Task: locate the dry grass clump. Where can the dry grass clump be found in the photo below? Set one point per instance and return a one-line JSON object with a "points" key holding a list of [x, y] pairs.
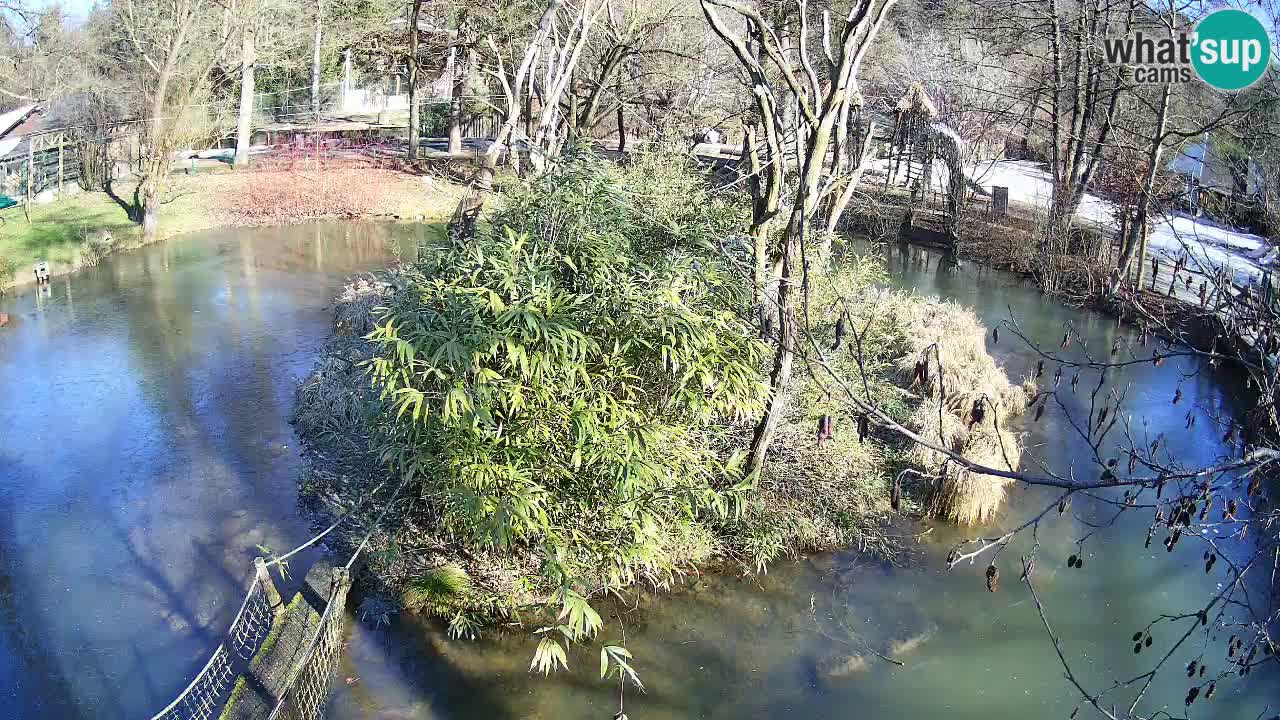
{"points": [[353, 313], [336, 403], [966, 398], [277, 197]]}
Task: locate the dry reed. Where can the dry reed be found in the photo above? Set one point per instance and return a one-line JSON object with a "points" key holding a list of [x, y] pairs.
{"points": [[966, 399]]}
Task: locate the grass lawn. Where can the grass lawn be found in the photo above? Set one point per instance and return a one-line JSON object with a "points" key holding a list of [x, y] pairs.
{"points": [[58, 230]]}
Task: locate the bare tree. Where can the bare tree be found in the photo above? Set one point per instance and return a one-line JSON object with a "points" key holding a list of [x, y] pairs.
{"points": [[820, 91], [248, 63], [513, 88], [170, 48], [41, 57]]}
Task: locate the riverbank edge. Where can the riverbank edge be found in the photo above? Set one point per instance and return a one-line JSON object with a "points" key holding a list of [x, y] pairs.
{"points": [[1164, 316], [438, 198], [354, 469]]}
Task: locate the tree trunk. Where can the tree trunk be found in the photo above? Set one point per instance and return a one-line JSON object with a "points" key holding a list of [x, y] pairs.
{"points": [[1140, 240], [414, 114], [1138, 228], [622, 121], [572, 119], [146, 196], [244, 126], [817, 141], [155, 165], [457, 104], [587, 118], [150, 218], [315, 62], [783, 361]]}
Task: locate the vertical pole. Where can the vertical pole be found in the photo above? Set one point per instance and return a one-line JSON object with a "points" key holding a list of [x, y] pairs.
{"points": [[451, 64], [31, 176], [315, 63], [268, 585], [341, 579], [1126, 269], [346, 77], [456, 88], [61, 145]]}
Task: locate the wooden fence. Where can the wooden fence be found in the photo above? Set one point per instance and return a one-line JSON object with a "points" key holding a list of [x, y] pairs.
{"points": [[49, 163], [62, 160]]}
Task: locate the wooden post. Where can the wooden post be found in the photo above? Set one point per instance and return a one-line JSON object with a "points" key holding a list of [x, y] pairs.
{"points": [[999, 201], [61, 145], [341, 579], [268, 585]]}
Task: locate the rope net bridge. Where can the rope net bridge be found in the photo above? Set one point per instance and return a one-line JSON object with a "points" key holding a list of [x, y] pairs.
{"points": [[306, 689]]}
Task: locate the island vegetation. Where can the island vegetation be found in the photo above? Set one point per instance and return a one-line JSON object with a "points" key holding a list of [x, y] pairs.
{"points": [[567, 400]]}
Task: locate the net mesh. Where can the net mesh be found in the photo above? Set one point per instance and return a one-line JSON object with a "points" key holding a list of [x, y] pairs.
{"points": [[203, 698], [307, 693]]}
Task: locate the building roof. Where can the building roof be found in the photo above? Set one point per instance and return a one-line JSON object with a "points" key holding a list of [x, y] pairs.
{"points": [[11, 120], [16, 127], [1213, 171]]}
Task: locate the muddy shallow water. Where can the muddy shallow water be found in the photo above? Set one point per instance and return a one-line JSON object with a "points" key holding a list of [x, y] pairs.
{"points": [[145, 453]]}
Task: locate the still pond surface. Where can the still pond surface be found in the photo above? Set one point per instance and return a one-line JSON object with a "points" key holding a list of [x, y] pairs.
{"points": [[146, 453]]}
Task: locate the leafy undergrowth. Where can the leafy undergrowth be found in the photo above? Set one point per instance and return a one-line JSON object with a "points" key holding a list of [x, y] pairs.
{"points": [[567, 399]]}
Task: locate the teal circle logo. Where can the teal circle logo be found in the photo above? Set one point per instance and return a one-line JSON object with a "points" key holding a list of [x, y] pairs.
{"points": [[1231, 49]]}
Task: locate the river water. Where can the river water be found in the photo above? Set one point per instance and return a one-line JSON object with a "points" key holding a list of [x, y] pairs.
{"points": [[145, 453]]}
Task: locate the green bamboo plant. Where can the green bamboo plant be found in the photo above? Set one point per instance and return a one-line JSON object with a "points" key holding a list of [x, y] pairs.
{"points": [[564, 383]]}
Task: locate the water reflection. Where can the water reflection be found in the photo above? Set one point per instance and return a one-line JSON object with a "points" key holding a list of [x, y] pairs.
{"points": [[145, 452], [786, 644]]}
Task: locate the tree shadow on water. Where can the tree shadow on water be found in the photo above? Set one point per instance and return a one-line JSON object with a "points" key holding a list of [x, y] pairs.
{"points": [[406, 677], [34, 672]]}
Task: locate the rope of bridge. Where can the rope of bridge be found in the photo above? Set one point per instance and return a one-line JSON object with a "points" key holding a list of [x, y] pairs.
{"points": [[307, 687]]}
